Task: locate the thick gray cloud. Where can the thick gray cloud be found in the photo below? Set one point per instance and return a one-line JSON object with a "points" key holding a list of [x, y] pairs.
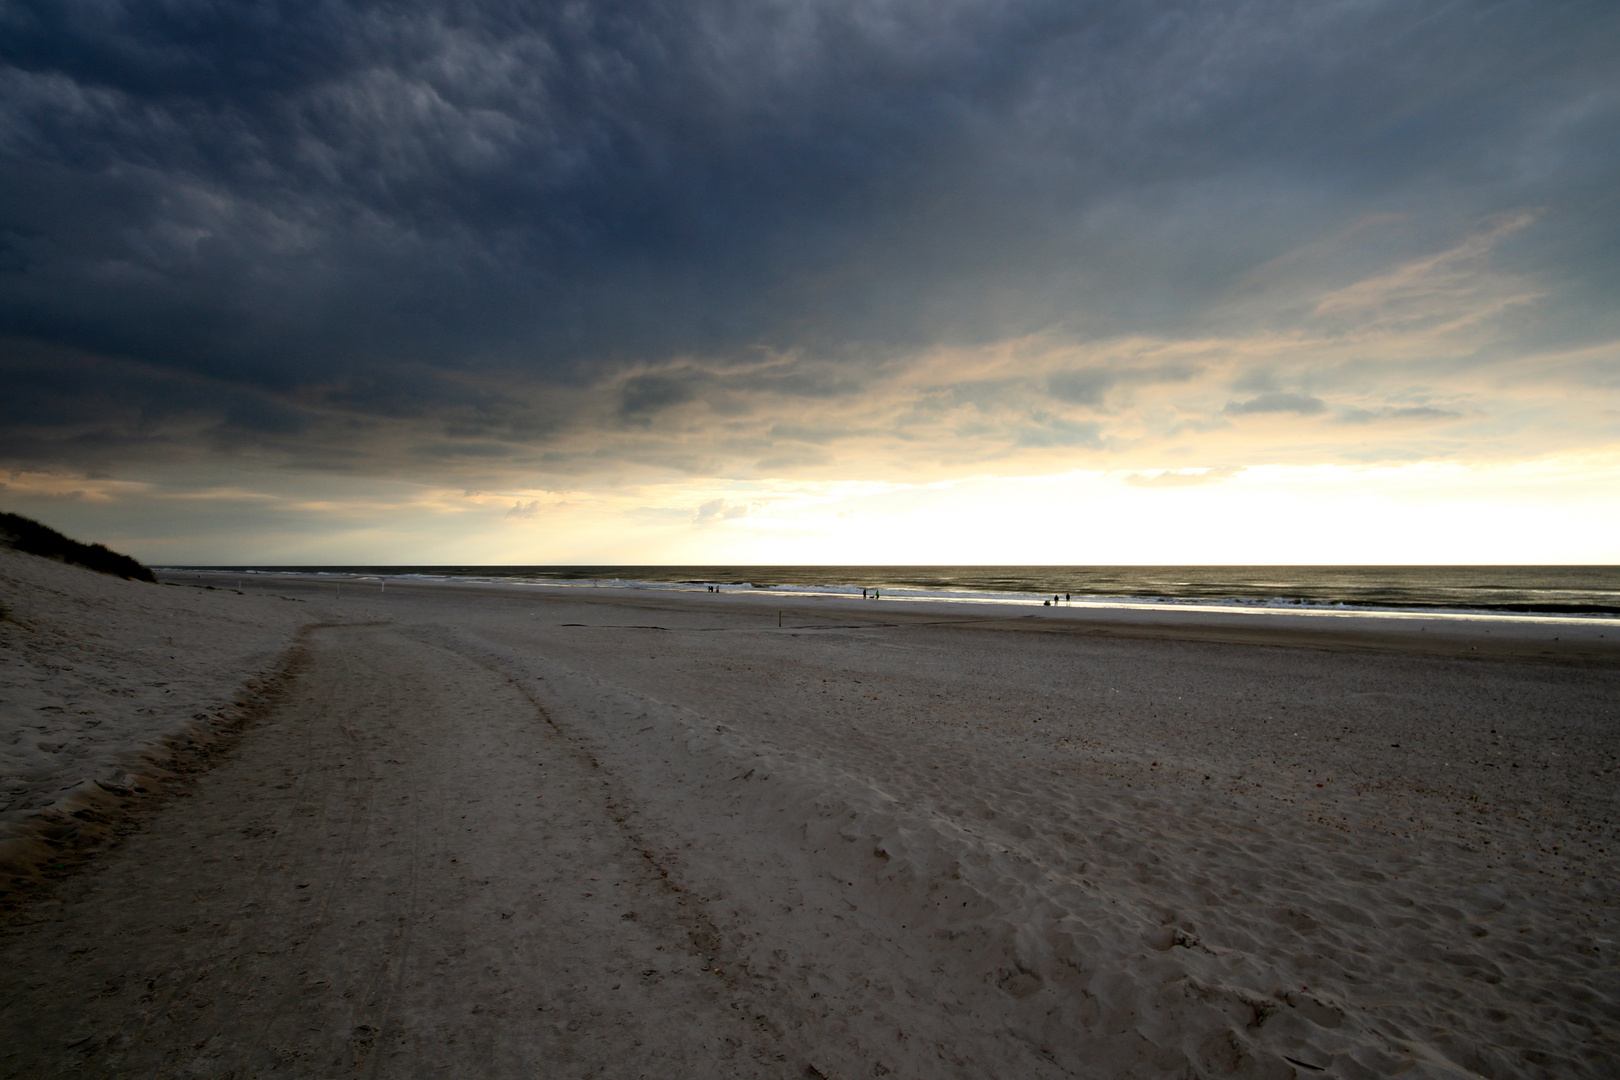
{"points": [[1410, 412], [1278, 402], [331, 230]]}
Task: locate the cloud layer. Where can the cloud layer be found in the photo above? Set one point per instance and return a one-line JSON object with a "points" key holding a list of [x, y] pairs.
{"points": [[548, 245]]}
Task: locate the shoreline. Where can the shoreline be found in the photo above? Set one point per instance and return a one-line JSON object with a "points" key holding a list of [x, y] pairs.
{"points": [[1485, 635], [1534, 591]]}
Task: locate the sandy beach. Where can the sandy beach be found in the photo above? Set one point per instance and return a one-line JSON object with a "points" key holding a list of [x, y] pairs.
{"points": [[481, 830]]}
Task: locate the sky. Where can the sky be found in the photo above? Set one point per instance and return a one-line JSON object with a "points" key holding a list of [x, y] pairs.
{"points": [[836, 281]]}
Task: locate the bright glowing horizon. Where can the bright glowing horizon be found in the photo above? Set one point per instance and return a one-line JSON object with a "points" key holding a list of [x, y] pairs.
{"points": [[1560, 512]]}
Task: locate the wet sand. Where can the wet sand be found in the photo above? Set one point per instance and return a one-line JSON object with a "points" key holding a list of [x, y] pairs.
{"points": [[504, 831]]}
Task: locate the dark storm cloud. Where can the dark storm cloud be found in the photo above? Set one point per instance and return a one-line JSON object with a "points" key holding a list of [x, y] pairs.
{"points": [[645, 395], [422, 212], [67, 407], [252, 413]]}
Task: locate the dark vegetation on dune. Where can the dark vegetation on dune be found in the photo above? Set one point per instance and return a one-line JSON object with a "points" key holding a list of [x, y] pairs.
{"points": [[28, 535]]}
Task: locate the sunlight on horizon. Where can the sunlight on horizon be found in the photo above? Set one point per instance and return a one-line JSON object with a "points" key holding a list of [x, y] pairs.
{"points": [[1554, 511]]}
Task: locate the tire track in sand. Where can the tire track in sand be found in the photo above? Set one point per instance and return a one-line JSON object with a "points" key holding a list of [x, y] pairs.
{"points": [[439, 885]]}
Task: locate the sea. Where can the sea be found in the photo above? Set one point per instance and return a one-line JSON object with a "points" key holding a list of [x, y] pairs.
{"points": [[1592, 591]]}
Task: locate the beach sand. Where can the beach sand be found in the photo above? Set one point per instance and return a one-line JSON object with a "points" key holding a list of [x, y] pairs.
{"points": [[505, 830], [108, 685]]}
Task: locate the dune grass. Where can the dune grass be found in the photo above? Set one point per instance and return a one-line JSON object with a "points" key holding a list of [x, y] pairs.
{"points": [[28, 535]]}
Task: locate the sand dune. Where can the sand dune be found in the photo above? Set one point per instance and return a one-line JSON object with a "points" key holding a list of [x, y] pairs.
{"points": [[507, 831], [103, 681]]}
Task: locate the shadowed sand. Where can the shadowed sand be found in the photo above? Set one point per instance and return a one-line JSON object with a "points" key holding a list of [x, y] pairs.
{"points": [[506, 831]]}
